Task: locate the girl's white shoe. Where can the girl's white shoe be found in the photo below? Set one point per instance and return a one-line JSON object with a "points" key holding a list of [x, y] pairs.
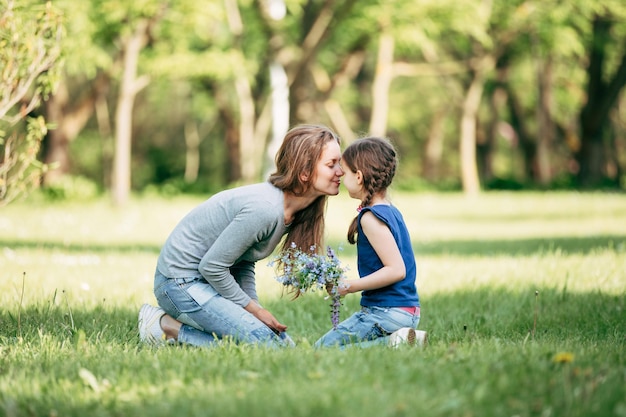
{"points": [[409, 336]]}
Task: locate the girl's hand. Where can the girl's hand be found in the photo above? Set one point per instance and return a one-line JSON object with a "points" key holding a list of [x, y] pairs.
{"points": [[329, 288], [344, 288]]}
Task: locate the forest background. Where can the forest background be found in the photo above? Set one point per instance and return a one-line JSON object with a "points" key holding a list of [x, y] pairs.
{"points": [[188, 96]]}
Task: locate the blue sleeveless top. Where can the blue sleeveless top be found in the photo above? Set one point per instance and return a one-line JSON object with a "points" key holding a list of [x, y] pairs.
{"points": [[402, 293]]}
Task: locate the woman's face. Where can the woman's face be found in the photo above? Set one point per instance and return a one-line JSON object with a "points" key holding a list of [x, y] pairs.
{"points": [[328, 172]]}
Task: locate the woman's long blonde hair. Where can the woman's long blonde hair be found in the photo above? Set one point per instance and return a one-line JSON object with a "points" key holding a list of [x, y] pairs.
{"points": [[299, 153]]}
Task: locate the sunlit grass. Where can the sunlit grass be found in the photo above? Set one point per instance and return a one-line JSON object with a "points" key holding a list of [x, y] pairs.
{"points": [[523, 296]]}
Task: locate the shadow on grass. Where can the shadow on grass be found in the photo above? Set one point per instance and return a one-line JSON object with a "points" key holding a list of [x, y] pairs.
{"points": [[547, 314], [483, 313], [494, 215], [573, 244], [476, 337], [80, 247], [513, 247], [64, 324]]}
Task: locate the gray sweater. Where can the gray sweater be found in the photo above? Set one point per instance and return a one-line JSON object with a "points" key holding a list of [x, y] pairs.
{"points": [[223, 237]]}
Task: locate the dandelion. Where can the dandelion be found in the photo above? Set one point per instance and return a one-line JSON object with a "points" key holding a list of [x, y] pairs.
{"points": [[563, 357], [304, 272]]}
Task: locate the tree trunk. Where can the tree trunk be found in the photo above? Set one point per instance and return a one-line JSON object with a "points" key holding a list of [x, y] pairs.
{"points": [[231, 133], [601, 97], [471, 103], [485, 143], [56, 144], [617, 148], [192, 152], [381, 84], [325, 85], [249, 151], [433, 152], [299, 81], [104, 129], [318, 23], [130, 86], [68, 122], [280, 113], [545, 128]]}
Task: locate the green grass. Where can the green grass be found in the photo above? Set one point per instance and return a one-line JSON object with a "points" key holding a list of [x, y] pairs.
{"points": [[523, 296]]}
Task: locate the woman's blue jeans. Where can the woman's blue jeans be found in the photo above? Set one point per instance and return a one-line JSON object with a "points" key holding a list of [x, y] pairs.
{"points": [[368, 327], [208, 318]]}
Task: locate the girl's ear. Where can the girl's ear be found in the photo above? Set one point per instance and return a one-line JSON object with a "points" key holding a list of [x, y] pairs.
{"points": [[304, 177], [359, 177]]}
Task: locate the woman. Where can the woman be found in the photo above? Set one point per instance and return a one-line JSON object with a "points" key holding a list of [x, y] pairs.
{"points": [[205, 280]]}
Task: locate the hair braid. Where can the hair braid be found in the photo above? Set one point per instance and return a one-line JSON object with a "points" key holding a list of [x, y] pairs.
{"points": [[376, 159]]}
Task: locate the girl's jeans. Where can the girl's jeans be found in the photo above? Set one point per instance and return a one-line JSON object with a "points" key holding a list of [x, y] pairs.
{"points": [[208, 318], [370, 326]]}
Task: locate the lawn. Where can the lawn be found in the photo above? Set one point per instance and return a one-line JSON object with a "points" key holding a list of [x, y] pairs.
{"points": [[523, 297]]}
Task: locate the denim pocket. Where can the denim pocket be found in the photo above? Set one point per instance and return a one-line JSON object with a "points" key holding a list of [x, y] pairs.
{"points": [[201, 292], [182, 295], [390, 319]]}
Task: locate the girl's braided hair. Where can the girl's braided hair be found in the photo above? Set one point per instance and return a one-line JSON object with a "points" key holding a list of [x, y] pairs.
{"points": [[377, 160]]}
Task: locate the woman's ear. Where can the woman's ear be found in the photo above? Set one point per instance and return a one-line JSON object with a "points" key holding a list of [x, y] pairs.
{"points": [[304, 177]]}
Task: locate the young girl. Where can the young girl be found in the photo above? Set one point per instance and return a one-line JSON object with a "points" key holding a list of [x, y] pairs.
{"points": [[390, 308], [205, 278]]}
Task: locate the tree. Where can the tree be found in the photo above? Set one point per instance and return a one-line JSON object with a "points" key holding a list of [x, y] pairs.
{"points": [[108, 54], [434, 75], [83, 85], [30, 36], [603, 89], [249, 44]]}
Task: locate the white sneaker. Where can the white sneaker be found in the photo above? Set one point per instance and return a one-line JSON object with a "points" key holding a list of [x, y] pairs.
{"points": [[409, 336], [150, 330]]}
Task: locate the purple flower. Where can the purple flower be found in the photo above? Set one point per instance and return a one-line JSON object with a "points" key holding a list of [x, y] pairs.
{"points": [[305, 272]]}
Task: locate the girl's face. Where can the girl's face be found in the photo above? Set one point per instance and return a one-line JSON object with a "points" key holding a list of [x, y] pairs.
{"points": [[352, 181], [328, 171]]}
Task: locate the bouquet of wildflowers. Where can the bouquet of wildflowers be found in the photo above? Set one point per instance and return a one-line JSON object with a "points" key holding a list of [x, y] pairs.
{"points": [[311, 271]]}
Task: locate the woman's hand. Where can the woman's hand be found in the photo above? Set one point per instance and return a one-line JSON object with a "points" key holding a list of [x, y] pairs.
{"points": [[265, 316], [270, 321]]}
